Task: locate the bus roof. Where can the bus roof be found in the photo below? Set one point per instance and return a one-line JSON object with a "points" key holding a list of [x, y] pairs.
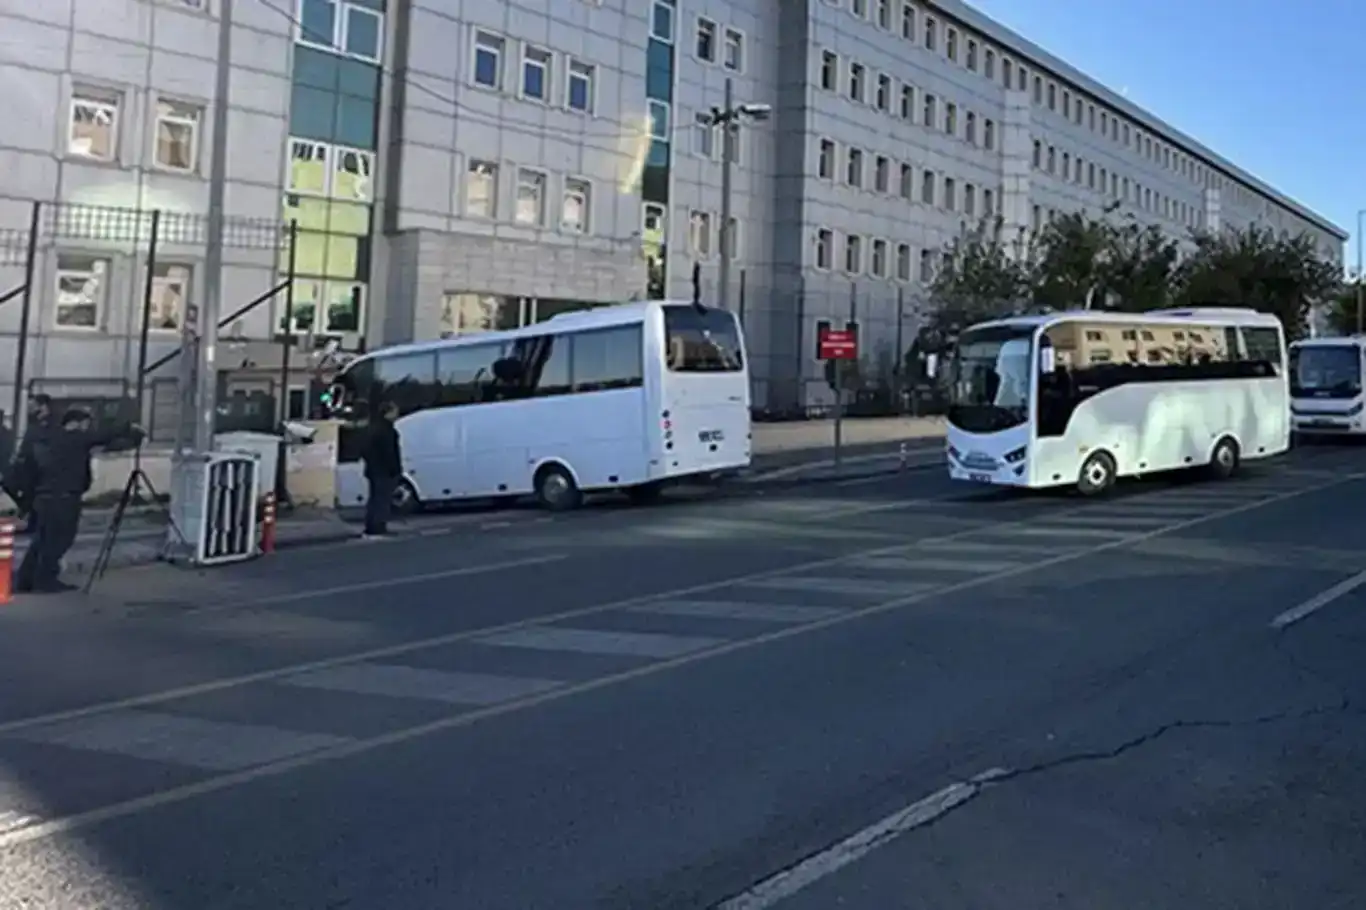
{"points": [[1229, 316], [599, 317], [1335, 341]]}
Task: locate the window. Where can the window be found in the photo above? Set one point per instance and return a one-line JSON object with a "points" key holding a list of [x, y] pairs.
{"points": [[1052, 97], [706, 40], [882, 174], [662, 22], [951, 44], [699, 234], [351, 29], [927, 180], [1066, 166], [660, 126], [883, 99], [826, 163], [989, 134], [931, 30], [1067, 104], [481, 189], [93, 130], [536, 67], [853, 168], [907, 21], [879, 263], [989, 63], [81, 290], [1005, 71], [530, 198], [970, 128], [825, 249], [1038, 90], [903, 262], [907, 102], [1264, 345], [926, 266], [576, 209], [488, 60], [969, 199], [853, 254], [830, 71], [907, 185], [859, 8], [972, 55], [856, 74], [931, 111], [950, 193], [735, 51], [697, 341], [704, 134], [1038, 154], [170, 290], [579, 88], [351, 175], [1021, 78], [177, 135], [1052, 160], [988, 203], [309, 170], [884, 14], [951, 119]]}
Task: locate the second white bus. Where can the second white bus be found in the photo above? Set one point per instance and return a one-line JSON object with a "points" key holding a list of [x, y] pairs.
{"points": [[1326, 387], [629, 397], [1084, 398]]}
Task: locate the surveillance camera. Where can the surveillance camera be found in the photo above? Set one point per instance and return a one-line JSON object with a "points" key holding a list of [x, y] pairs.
{"points": [[757, 111]]}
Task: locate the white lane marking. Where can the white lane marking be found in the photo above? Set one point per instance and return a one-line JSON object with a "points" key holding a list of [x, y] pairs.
{"points": [[1319, 601], [600, 641], [850, 587], [168, 738], [729, 609], [792, 470], [778, 888], [420, 684], [377, 584], [174, 795], [931, 564], [1056, 528], [1113, 521]]}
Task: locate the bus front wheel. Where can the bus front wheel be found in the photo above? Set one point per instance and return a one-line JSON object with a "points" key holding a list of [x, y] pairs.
{"points": [[1097, 474], [1223, 461], [556, 489]]}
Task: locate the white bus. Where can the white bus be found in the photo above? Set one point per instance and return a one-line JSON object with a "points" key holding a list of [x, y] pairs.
{"points": [[1325, 387], [628, 397], [1086, 397]]}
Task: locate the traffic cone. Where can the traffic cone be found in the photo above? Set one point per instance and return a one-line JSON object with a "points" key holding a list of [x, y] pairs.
{"points": [[268, 524], [6, 561]]}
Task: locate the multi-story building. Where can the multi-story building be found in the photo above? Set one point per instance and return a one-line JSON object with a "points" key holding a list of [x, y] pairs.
{"points": [[456, 167]]}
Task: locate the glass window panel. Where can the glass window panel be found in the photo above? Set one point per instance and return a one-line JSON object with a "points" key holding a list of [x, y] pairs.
{"points": [[355, 122], [311, 113], [307, 293], [311, 256], [344, 305], [353, 175], [308, 166], [318, 21], [362, 33], [342, 257], [317, 69], [311, 213], [348, 218], [356, 78]]}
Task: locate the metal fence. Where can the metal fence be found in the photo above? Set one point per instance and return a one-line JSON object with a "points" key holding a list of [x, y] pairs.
{"points": [[102, 304]]}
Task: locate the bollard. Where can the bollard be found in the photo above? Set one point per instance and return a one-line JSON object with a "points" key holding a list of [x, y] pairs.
{"points": [[268, 524], [902, 458], [6, 561]]}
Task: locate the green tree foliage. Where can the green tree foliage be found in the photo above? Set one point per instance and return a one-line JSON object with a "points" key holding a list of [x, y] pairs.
{"points": [[1140, 268], [1070, 261], [1257, 268], [1342, 308], [982, 276]]}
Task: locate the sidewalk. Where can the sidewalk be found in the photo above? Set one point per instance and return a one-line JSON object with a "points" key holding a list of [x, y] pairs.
{"points": [[788, 452]]}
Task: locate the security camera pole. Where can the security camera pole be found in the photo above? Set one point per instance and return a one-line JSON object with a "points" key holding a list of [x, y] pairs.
{"points": [[728, 117]]}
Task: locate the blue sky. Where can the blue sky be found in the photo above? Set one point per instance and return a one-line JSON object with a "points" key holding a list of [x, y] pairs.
{"points": [[1277, 88]]}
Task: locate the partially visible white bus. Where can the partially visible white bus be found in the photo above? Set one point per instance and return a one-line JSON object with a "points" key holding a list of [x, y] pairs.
{"points": [[1326, 387], [628, 397], [1086, 397]]}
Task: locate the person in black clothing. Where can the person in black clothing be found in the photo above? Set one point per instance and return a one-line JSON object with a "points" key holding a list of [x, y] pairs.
{"points": [[23, 472], [383, 468], [63, 477]]}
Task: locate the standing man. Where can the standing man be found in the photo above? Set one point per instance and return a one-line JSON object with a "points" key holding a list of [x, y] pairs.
{"points": [[23, 473], [63, 477], [383, 469]]}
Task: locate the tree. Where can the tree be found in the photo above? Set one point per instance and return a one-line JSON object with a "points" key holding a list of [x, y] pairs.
{"points": [[1140, 266], [1070, 261], [1256, 268], [981, 277], [1341, 309]]}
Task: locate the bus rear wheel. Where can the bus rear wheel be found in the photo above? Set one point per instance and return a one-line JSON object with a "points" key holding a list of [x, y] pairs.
{"points": [[1097, 474], [404, 500], [1223, 461], [556, 489]]}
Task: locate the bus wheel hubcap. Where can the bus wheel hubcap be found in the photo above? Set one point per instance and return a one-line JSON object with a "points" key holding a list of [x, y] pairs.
{"points": [[1226, 456], [1097, 474], [556, 487]]}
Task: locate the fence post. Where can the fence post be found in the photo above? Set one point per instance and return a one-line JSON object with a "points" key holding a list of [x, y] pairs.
{"points": [[899, 364], [289, 321], [25, 317], [148, 289]]}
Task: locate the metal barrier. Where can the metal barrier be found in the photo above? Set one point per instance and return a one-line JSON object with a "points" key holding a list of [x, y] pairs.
{"points": [[214, 497]]}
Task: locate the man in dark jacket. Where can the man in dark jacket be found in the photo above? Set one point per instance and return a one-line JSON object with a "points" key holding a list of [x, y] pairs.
{"points": [[63, 477], [383, 469], [23, 472]]}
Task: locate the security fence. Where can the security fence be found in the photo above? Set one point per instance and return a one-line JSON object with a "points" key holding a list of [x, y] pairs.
{"points": [[101, 305]]}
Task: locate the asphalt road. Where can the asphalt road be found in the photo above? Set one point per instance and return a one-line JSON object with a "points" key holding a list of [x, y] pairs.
{"points": [[878, 693]]}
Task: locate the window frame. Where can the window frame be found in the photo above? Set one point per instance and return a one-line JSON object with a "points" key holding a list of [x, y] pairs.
{"points": [[700, 234], [705, 23], [652, 104], [98, 101], [341, 29], [494, 176], [824, 143], [546, 64], [195, 123], [488, 42], [100, 301], [581, 187], [543, 184], [159, 283], [576, 70], [731, 32], [853, 253], [824, 242]]}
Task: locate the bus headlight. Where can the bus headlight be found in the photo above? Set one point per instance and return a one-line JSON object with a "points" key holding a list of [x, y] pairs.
{"points": [[1355, 409], [1017, 456]]}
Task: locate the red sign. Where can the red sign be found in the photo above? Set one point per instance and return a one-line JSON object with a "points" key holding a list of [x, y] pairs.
{"points": [[838, 344]]}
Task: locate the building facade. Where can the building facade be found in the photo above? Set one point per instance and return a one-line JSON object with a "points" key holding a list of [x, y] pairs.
{"points": [[454, 167]]}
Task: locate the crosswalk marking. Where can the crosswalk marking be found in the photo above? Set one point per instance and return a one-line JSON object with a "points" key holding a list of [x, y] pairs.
{"points": [[1058, 528], [172, 739], [421, 684], [936, 564], [856, 587], [738, 610], [1137, 522], [600, 641], [998, 547]]}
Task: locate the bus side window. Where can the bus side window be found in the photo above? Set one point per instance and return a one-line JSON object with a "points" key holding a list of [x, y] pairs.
{"points": [[408, 380]]}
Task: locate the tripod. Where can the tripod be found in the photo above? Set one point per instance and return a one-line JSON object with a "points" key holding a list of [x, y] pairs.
{"points": [[137, 480]]}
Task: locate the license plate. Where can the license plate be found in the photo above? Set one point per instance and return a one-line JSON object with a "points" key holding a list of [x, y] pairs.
{"points": [[1321, 423], [980, 478]]}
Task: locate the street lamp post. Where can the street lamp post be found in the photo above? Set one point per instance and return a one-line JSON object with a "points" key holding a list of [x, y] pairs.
{"points": [[1361, 315], [728, 118]]}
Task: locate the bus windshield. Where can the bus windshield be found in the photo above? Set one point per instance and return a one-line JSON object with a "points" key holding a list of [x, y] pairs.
{"points": [[1325, 371], [702, 340], [992, 374]]}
